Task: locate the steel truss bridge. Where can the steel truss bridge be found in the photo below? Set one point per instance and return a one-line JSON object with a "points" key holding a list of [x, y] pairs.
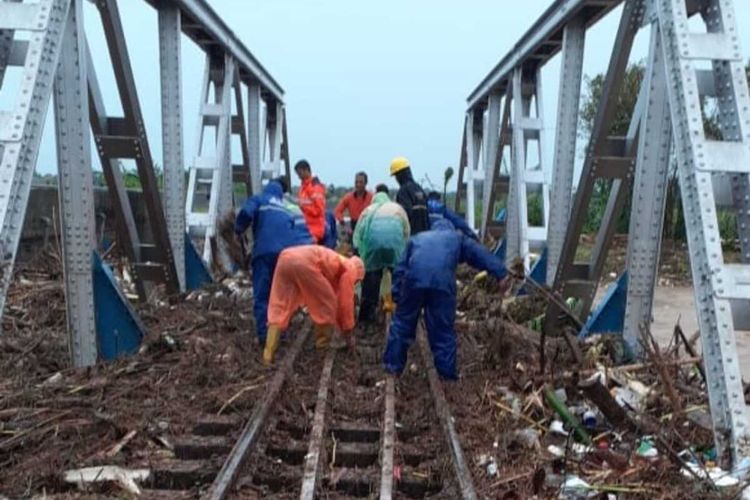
{"points": [[684, 66], [241, 101]]}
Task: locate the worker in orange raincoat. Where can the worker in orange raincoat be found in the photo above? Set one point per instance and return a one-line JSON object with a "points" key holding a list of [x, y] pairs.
{"points": [[316, 277], [312, 200]]}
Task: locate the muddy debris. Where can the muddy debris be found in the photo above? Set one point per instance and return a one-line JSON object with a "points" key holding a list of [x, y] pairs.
{"points": [[583, 427], [200, 357], [551, 435]]}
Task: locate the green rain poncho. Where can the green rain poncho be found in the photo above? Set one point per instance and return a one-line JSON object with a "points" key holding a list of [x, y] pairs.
{"points": [[381, 233]]}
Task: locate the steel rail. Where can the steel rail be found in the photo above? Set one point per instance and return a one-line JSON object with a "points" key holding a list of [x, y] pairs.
{"points": [[463, 475], [389, 439], [312, 459], [255, 425]]}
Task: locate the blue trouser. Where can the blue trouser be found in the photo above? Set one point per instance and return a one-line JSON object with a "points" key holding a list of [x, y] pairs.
{"points": [[440, 315], [263, 268]]}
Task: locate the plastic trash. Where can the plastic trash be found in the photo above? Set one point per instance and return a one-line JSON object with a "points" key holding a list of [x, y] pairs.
{"points": [[55, 379], [717, 475], [510, 399], [528, 438], [575, 487], [742, 469], [646, 449], [589, 419], [627, 398], [556, 427], [561, 394], [565, 414], [556, 451], [492, 467], [577, 449], [710, 454]]}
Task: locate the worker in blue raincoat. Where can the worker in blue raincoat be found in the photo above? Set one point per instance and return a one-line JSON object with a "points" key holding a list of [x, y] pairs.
{"points": [[331, 235], [437, 210], [276, 226], [425, 278]]}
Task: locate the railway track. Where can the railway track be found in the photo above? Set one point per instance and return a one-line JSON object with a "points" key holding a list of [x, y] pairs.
{"points": [[330, 424]]}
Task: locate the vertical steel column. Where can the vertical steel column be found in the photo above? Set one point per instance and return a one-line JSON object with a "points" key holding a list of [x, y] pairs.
{"points": [[537, 235], [221, 185], [285, 149], [571, 72], [716, 283], [275, 125], [226, 202], [194, 177], [608, 158], [21, 127], [461, 168], [255, 137], [522, 236], [526, 90], [76, 189], [171, 118], [474, 141], [491, 152], [214, 173], [517, 209], [649, 196]]}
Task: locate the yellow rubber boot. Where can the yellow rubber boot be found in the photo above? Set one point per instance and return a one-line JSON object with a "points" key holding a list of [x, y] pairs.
{"points": [[388, 305], [272, 343], [322, 335]]}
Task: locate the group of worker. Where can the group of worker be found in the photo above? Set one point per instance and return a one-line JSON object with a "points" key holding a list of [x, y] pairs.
{"points": [[405, 253]]}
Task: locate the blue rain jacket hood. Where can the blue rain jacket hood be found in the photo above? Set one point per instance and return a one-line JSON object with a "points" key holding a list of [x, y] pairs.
{"points": [[275, 225], [431, 258], [437, 210]]}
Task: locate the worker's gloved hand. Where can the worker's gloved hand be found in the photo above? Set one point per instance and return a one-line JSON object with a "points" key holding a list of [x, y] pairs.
{"points": [[505, 285], [480, 276]]}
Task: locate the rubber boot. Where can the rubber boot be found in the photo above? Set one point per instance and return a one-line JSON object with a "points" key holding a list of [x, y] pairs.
{"points": [[272, 344], [388, 305], [322, 335]]}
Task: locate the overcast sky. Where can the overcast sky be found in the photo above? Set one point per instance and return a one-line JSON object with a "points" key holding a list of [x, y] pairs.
{"points": [[364, 81]]}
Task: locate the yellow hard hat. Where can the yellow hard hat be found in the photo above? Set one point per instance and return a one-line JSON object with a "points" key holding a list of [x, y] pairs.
{"points": [[398, 164]]}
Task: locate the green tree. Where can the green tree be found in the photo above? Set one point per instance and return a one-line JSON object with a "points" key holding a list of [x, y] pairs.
{"points": [[625, 101], [674, 220], [624, 112]]}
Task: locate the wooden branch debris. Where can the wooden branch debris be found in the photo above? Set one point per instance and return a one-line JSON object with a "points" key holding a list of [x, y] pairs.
{"points": [[654, 353]]}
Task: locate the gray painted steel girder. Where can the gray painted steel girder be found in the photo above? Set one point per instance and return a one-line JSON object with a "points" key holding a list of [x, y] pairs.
{"points": [[76, 189], [542, 41], [715, 282], [199, 16]]}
